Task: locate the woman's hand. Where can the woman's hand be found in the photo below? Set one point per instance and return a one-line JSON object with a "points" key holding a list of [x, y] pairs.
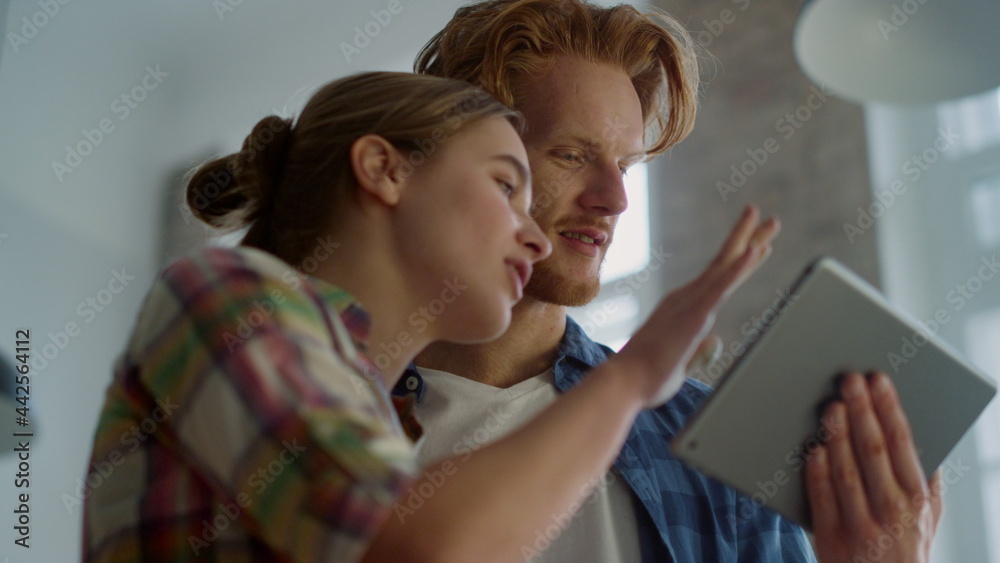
{"points": [[665, 344], [868, 496]]}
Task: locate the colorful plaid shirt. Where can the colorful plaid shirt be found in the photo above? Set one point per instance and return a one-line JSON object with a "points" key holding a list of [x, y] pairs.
{"points": [[245, 422]]}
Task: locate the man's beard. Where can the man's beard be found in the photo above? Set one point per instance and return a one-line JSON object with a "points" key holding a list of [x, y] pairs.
{"points": [[549, 286]]}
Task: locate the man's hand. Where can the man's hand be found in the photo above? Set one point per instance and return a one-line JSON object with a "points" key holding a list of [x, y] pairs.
{"points": [[868, 495], [662, 348]]}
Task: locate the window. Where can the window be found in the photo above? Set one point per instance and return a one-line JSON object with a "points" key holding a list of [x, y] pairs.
{"points": [[985, 200], [611, 318], [936, 235]]}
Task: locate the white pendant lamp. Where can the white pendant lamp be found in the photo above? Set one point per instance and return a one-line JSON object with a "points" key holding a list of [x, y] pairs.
{"points": [[901, 51]]}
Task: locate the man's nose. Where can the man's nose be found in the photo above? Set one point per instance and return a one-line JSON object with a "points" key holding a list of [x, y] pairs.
{"points": [[605, 192]]}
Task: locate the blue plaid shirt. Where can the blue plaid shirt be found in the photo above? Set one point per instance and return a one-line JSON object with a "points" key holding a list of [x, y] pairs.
{"points": [[689, 517]]}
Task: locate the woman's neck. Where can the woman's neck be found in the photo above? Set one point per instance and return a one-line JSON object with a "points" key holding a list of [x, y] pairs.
{"points": [[365, 265]]}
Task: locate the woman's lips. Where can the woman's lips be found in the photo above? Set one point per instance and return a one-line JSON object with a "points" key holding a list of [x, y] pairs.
{"points": [[516, 281], [520, 271]]}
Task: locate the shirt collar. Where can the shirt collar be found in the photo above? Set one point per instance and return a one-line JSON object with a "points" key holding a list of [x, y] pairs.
{"points": [[576, 354], [358, 324], [354, 316]]}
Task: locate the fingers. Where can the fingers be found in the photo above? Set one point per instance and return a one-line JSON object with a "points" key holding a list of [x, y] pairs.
{"points": [[822, 496], [859, 482], [878, 466], [847, 480], [741, 234], [937, 503], [747, 245], [897, 435], [766, 232]]}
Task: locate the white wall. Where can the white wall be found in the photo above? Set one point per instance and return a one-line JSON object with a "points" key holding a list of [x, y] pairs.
{"points": [[60, 241]]}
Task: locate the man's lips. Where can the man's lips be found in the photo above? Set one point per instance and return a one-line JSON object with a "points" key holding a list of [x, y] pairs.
{"points": [[599, 237], [585, 240]]}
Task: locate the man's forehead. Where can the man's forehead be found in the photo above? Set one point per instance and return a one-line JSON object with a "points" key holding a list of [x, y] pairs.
{"points": [[588, 103]]}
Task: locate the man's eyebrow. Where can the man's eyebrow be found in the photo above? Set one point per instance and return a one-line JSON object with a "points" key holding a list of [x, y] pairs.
{"points": [[522, 172]]}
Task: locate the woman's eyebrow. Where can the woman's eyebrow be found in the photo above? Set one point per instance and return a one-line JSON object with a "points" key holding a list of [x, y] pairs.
{"points": [[522, 172]]}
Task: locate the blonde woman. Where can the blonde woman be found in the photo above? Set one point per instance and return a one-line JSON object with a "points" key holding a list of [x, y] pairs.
{"points": [[249, 417]]}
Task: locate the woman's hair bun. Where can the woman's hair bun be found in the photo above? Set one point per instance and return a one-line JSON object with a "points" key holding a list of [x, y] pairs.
{"points": [[228, 192]]}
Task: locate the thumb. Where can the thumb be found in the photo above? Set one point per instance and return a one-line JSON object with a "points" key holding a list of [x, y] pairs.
{"points": [[707, 353]]}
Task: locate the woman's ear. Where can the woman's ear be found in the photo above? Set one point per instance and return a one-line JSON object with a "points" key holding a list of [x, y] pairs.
{"points": [[379, 168]]}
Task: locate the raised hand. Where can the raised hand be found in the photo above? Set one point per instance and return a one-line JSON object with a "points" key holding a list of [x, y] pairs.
{"points": [[662, 348], [868, 496]]}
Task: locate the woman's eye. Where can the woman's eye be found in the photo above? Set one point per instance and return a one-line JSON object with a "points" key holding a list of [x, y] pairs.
{"points": [[507, 188], [624, 170]]}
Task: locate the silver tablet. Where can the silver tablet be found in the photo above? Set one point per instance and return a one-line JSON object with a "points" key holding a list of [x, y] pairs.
{"points": [[758, 427]]}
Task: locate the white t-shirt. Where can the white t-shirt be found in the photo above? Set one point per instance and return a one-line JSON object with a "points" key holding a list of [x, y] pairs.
{"points": [[460, 415]]}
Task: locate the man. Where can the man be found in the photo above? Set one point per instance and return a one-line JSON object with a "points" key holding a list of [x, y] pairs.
{"points": [[592, 83]]}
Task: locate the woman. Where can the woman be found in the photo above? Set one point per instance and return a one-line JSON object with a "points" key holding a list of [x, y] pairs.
{"points": [[249, 419]]}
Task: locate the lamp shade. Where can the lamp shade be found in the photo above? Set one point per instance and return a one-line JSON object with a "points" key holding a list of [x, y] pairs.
{"points": [[901, 51]]}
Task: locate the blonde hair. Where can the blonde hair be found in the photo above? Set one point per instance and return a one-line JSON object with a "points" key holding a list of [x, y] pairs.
{"points": [[499, 44], [290, 182]]}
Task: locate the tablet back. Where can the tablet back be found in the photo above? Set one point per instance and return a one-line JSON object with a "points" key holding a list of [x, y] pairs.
{"points": [[755, 431]]}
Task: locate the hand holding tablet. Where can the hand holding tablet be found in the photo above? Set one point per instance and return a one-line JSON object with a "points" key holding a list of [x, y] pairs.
{"points": [[868, 495], [760, 427]]}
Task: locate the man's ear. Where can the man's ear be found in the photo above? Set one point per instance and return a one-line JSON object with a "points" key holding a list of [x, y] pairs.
{"points": [[378, 168]]}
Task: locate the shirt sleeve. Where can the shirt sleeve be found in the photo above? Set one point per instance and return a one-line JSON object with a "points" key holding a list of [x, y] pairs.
{"points": [[266, 409]]}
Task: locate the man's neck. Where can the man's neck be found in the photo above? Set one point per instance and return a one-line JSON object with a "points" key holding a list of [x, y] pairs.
{"points": [[527, 349]]}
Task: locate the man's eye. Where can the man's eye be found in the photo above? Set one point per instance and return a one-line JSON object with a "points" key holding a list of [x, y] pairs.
{"points": [[624, 170], [573, 157]]}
